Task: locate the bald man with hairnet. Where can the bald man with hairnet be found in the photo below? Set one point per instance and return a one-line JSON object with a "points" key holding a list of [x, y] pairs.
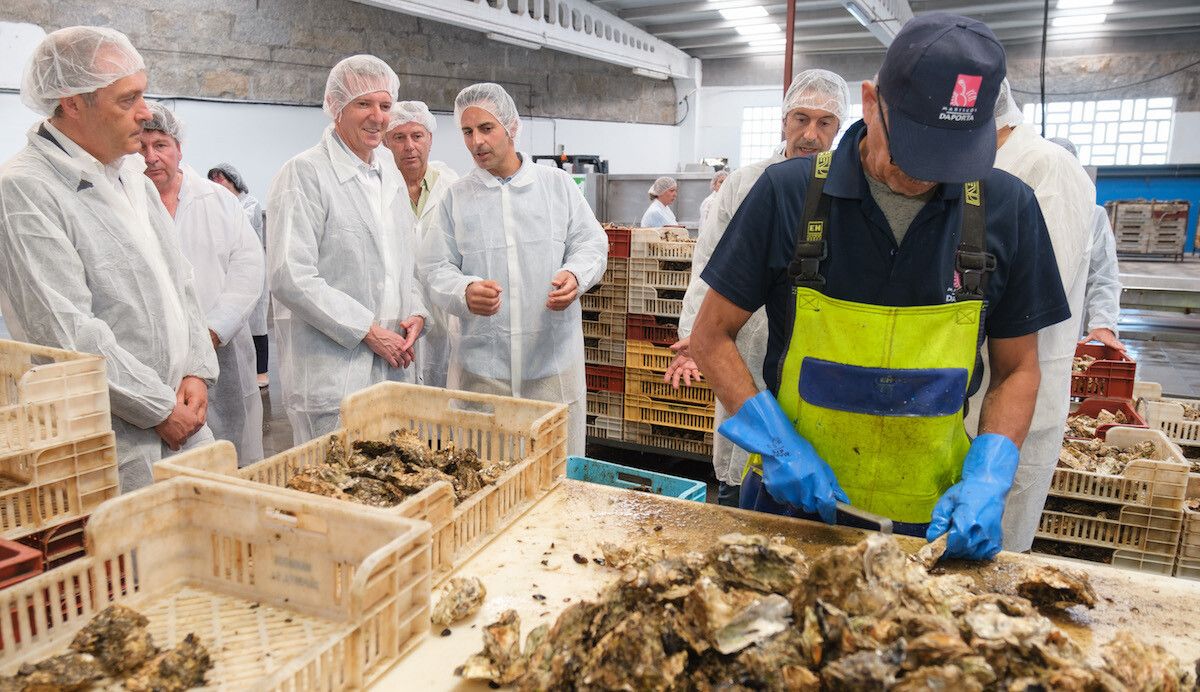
{"points": [[89, 258], [814, 107], [410, 138], [508, 250], [347, 309]]}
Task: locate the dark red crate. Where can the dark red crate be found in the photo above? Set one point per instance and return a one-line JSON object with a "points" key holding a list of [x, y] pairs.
{"points": [[605, 378], [18, 562], [59, 544], [619, 241], [657, 330], [1092, 407], [1110, 377]]}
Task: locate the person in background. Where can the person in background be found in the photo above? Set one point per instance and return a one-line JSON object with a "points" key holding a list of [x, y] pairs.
{"points": [[816, 103], [227, 176], [714, 185], [1066, 198], [410, 137], [347, 311], [875, 263], [507, 251], [89, 257], [216, 238], [662, 195], [1102, 296]]}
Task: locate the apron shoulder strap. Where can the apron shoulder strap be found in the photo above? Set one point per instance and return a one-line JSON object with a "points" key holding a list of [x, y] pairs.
{"points": [[972, 261], [804, 269]]}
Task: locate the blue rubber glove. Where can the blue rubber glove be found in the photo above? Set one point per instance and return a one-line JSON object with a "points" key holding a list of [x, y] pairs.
{"points": [[793, 472], [972, 508]]}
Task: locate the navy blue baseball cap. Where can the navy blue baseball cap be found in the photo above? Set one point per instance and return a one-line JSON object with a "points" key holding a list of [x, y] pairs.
{"points": [[939, 81]]}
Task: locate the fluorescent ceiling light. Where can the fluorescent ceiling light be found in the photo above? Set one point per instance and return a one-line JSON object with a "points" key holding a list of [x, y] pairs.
{"points": [[1082, 4], [513, 41], [643, 72], [758, 29], [858, 13], [1078, 20], [736, 13]]}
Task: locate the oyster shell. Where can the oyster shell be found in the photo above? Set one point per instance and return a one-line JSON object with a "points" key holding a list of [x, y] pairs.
{"points": [[1058, 588], [70, 671], [118, 638], [461, 600], [174, 670]]}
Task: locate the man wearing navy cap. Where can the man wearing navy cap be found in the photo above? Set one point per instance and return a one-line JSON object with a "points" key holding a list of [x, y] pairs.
{"points": [[883, 266]]}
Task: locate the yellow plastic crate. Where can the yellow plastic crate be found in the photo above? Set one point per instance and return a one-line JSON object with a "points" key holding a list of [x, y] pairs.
{"points": [[530, 435], [640, 409], [650, 384], [49, 396], [644, 355], [287, 592]]}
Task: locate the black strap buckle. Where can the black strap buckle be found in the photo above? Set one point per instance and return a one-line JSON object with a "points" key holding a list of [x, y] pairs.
{"points": [[805, 267], [973, 269]]}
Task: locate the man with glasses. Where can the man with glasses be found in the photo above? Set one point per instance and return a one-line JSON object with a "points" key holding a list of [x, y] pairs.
{"points": [[882, 266]]}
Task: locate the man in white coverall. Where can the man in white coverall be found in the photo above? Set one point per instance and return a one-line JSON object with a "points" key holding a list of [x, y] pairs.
{"points": [[228, 263], [1066, 197], [816, 103], [410, 137], [347, 311], [89, 259], [508, 251]]}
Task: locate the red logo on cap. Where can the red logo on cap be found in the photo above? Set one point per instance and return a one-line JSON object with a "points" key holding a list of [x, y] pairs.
{"points": [[966, 89]]}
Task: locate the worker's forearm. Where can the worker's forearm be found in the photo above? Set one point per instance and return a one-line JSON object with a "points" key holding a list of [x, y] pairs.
{"points": [[1008, 406], [723, 367]]}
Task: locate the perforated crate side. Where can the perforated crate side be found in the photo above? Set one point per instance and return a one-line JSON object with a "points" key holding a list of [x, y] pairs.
{"points": [[1168, 416], [49, 396], [57, 484], [643, 355], [651, 385]]}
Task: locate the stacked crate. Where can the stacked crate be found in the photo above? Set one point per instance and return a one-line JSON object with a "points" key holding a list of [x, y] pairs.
{"points": [[656, 413], [604, 308], [1149, 227]]}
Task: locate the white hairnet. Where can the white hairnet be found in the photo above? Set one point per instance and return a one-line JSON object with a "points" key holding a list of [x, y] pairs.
{"points": [[231, 174], [717, 178], [493, 99], [355, 76], [404, 112], [164, 121], [76, 60], [818, 89], [662, 185], [1066, 144], [1007, 112]]}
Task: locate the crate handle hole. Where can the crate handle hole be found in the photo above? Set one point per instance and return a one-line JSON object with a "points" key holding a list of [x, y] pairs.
{"points": [[283, 516], [640, 481]]}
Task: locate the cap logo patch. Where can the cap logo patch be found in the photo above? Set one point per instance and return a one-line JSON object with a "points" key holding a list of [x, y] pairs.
{"points": [[966, 89], [962, 99]]}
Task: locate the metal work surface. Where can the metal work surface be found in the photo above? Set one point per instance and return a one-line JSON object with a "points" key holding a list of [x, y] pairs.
{"points": [[574, 517]]}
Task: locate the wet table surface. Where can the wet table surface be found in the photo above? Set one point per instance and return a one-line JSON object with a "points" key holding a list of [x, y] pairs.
{"points": [[574, 517]]}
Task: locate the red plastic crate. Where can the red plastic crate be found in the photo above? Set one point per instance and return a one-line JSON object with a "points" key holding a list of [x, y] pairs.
{"points": [[1092, 407], [605, 378], [619, 241], [659, 331], [18, 562], [59, 544], [1110, 377]]}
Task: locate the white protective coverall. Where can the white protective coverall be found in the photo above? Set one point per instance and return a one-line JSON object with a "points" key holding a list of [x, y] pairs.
{"points": [[337, 262], [728, 458], [89, 261], [1066, 197], [433, 356], [254, 212], [1102, 300], [228, 263], [520, 234], [658, 215]]}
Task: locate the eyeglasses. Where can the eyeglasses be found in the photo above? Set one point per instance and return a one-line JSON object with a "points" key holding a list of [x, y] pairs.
{"points": [[883, 124]]}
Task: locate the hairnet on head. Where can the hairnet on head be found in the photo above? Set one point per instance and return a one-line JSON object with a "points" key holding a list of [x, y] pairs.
{"points": [[493, 99], [164, 121], [76, 60], [1066, 144], [404, 112], [717, 178], [230, 174], [1007, 112], [662, 185], [355, 76], [818, 89]]}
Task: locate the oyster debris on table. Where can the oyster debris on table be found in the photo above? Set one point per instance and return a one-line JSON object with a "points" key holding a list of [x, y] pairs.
{"points": [[752, 613], [461, 599], [385, 473]]}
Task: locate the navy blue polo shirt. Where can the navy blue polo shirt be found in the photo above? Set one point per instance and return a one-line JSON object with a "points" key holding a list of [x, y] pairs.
{"points": [[864, 263]]}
